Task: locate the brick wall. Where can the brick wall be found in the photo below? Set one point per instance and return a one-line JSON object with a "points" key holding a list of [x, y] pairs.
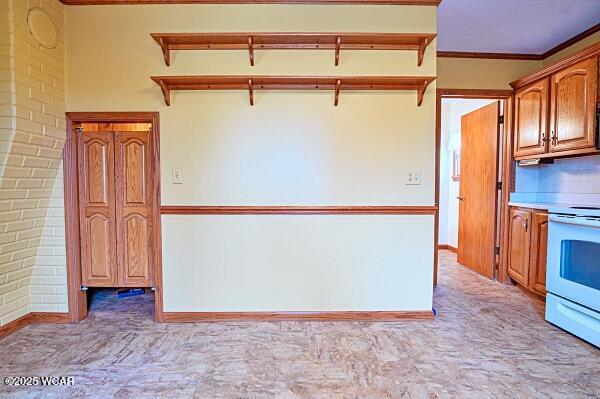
{"points": [[33, 134]]}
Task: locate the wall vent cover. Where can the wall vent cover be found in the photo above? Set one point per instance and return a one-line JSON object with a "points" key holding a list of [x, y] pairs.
{"points": [[42, 28]]}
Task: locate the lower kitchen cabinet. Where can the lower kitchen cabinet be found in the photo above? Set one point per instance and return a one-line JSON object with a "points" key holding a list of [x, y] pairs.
{"points": [[528, 241], [537, 253]]}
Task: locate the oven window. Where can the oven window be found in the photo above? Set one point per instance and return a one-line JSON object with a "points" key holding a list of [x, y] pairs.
{"points": [[580, 262]]}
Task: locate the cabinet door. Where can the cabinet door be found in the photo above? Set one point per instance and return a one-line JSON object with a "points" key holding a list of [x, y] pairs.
{"points": [[531, 119], [518, 247], [97, 209], [134, 205], [573, 107], [539, 246]]}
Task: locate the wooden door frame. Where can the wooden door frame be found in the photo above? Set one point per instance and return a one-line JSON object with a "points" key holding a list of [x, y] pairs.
{"points": [[507, 172], [77, 298]]}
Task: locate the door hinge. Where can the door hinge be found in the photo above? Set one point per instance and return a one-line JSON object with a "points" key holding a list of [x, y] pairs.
{"points": [[499, 185], [497, 250], [501, 119]]}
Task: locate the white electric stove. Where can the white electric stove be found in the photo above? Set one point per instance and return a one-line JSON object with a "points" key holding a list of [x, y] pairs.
{"points": [[573, 271]]}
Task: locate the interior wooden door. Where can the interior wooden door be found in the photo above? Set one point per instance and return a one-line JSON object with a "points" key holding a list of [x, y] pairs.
{"points": [[573, 107], [97, 209], [478, 178], [134, 209], [531, 119], [539, 247], [518, 246]]}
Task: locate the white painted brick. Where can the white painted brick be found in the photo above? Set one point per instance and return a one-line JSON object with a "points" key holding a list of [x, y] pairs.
{"points": [[17, 172], [20, 225], [24, 204], [16, 294], [30, 183], [9, 216], [54, 280], [13, 247], [12, 194], [24, 253], [32, 85], [9, 237], [10, 316], [44, 271], [50, 298], [43, 307], [42, 289]]}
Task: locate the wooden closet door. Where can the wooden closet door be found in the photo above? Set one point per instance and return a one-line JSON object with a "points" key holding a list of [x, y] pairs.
{"points": [[573, 107], [531, 119], [97, 209], [134, 209]]}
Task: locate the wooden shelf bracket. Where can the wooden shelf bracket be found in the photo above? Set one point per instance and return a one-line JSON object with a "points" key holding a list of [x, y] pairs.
{"points": [[338, 43], [165, 50], [251, 91], [251, 50], [293, 41], [421, 51], [421, 92], [166, 92], [261, 82], [338, 84]]}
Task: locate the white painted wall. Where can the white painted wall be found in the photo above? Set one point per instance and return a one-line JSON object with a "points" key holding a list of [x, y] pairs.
{"points": [[291, 148], [452, 111], [297, 263]]}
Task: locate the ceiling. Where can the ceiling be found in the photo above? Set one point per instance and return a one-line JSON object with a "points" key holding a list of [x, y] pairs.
{"points": [[512, 26]]}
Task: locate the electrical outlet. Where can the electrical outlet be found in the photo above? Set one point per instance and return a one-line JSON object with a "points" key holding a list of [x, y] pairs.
{"points": [[177, 176], [413, 178]]}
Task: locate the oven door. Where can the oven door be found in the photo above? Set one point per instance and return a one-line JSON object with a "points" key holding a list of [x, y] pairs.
{"points": [[573, 270]]}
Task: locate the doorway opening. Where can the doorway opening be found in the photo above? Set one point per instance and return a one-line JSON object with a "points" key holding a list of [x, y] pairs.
{"points": [[112, 209], [472, 128]]}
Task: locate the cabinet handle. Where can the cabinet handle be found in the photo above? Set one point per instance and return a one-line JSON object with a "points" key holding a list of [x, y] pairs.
{"points": [[554, 139], [526, 225], [460, 198], [543, 138]]}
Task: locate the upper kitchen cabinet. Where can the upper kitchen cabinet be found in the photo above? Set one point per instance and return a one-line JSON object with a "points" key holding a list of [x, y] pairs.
{"points": [[531, 119], [573, 107], [555, 109]]}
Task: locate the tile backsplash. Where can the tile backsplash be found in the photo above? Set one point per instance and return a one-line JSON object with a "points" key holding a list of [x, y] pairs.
{"points": [[569, 181]]}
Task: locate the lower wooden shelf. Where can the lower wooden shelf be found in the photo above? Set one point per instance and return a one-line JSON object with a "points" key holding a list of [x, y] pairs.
{"points": [[252, 83]]}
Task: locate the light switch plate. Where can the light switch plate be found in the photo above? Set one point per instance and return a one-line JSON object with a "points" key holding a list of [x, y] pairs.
{"points": [[413, 178], [177, 176]]}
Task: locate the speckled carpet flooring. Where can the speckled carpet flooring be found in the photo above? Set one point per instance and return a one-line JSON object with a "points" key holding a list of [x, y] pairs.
{"points": [[488, 340]]}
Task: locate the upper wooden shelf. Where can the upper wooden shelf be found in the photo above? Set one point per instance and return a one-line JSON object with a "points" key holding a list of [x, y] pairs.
{"points": [[281, 40], [251, 83]]}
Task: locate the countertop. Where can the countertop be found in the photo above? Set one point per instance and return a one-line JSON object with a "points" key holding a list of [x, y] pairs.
{"points": [[542, 205]]}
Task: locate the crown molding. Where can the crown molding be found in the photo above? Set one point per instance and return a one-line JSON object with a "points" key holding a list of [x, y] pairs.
{"points": [[488, 56], [571, 41], [587, 52], [518, 56], [125, 2]]}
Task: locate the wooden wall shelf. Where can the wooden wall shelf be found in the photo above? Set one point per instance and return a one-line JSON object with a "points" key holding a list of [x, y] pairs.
{"points": [[299, 41], [252, 83]]}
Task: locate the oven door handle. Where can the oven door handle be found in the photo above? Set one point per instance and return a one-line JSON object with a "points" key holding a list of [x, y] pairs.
{"points": [[579, 221]]}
